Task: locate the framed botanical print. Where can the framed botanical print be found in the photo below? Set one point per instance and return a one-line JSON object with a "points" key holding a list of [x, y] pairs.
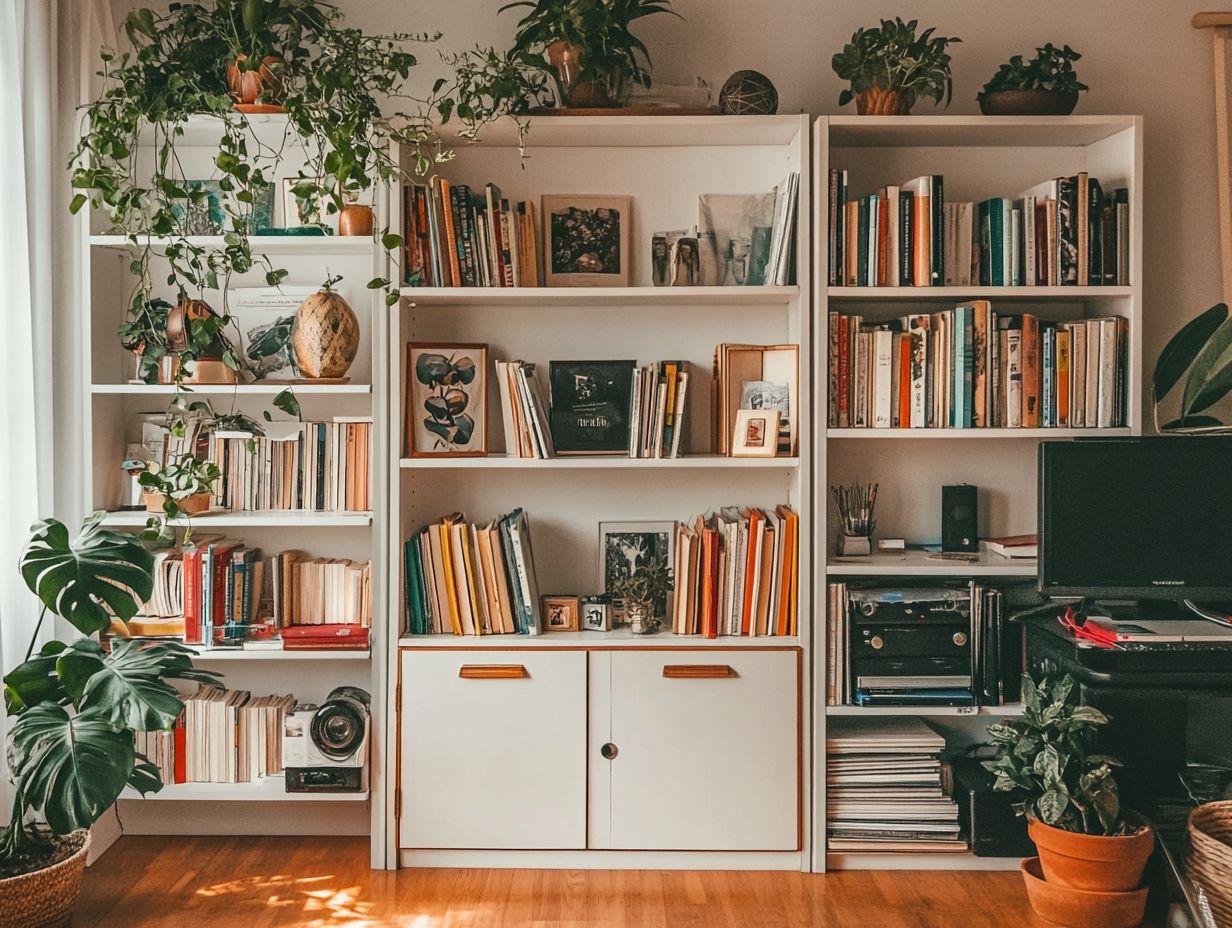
{"points": [[586, 240], [627, 548], [446, 400]]}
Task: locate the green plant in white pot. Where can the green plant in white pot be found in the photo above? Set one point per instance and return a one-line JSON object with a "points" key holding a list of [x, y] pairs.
{"points": [[73, 708]]}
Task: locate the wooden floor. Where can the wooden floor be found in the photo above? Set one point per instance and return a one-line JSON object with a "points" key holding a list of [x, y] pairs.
{"points": [[146, 882]]}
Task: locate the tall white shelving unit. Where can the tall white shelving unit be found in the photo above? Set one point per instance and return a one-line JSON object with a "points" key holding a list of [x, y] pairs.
{"points": [[110, 407], [510, 772], [979, 157]]}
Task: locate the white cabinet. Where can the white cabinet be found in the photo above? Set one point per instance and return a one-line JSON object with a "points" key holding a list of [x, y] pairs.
{"points": [[493, 749], [706, 750]]}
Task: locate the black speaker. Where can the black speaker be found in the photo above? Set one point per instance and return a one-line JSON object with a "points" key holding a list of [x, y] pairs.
{"points": [[959, 519]]}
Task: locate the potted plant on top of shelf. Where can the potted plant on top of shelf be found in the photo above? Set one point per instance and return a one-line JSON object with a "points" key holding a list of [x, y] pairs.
{"points": [[1044, 86], [890, 67], [73, 709], [1092, 853], [588, 45], [1199, 349]]}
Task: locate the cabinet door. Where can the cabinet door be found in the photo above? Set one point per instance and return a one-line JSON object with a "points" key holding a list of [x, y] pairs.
{"points": [[493, 749], [706, 750]]}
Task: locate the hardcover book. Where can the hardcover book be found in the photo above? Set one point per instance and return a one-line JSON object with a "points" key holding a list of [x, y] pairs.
{"points": [[591, 405]]}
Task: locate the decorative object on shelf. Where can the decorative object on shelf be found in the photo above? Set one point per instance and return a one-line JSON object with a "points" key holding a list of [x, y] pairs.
{"points": [[627, 549], [641, 592], [756, 433], [591, 403], [325, 336], [144, 333], [1199, 349], [587, 46], [734, 231], [325, 748], [71, 733], [675, 260], [750, 376], [762, 395], [303, 205], [748, 93], [890, 67], [1044, 86], [134, 495], [209, 209], [856, 523], [597, 613], [265, 318], [181, 488], [560, 613], [356, 219], [1092, 852], [960, 518], [200, 352], [447, 400], [586, 240]]}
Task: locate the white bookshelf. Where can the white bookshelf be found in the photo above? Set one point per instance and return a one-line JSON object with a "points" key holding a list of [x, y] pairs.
{"points": [[110, 402], [979, 157]]}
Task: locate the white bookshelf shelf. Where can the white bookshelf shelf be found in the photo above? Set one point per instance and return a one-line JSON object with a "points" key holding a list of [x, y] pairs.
{"points": [[665, 131], [977, 434], [584, 299], [920, 564], [620, 638], [294, 519], [926, 711], [222, 389], [226, 655], [952, 294], [688, 462], [261, 244], [974, 131], [270, 789]]}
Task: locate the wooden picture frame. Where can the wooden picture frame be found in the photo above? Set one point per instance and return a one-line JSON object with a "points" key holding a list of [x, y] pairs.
{"points": [[586, 240], [756, 433], [560, 613], [446, 413]]}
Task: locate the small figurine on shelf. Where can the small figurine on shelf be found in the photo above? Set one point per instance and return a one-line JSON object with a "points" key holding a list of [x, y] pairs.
{"points": [[855, 514]]}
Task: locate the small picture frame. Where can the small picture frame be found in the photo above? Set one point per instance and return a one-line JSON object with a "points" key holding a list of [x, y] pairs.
{"points": [[560, 613], [597, 613], [446, 400], [756, 434], [586, 240], [300, 211]]}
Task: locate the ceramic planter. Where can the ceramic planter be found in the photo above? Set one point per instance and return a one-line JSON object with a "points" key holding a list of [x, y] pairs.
{"points": [[1096, 863], [191, 505], [356, 219], [878, 102], [247, 86], [576, 93], [1028, 102], [45, 898], [1079, 908]]}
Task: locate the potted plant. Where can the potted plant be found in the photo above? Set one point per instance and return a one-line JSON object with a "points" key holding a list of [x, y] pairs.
{"points": [[1091, 851], [890, 67], [643, 594], [1044, 86], [73, 708], [182, 487], [588, 45], [1198, 350], [144, 333]]}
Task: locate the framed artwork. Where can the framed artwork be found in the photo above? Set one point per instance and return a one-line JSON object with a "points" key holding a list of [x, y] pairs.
{"points": [[586, 240], [756, 434], [266, 316], [560, 613], [219, 210], [301, 208], [596, 614], [625, 548], [447, 400], [734, 232]]}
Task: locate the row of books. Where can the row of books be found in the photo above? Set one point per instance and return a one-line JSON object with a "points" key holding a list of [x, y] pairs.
{"points": [[1067, 231], [229, 736], [316, 466], [220, 592], [971, 367], [737, 573], [887, 790], [454, 237], [466, 578]]}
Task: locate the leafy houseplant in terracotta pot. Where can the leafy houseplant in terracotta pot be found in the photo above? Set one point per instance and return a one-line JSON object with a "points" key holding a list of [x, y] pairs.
{"points": [[73, 708], [644, 594], [183, 487], [1044, 86], [1090, 849], [890, 67]]}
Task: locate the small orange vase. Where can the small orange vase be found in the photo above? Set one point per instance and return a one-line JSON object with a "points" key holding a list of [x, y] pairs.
{"points": [[355, 219], [878, 102]]}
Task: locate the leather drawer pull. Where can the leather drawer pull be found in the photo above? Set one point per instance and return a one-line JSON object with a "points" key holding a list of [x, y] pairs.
{"points": [[492, 672], [698, 671]]}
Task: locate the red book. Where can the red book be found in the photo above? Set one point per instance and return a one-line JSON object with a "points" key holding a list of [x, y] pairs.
{"points": [[324, 631], [325, 644], [222, 568], [883, 240], [180, 752], [192, 596], [904, 381], [752, 568]]}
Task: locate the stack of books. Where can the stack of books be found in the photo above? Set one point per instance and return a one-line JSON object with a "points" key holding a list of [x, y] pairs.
{"points": [[321, 603], [658, 418], [228, 736], [886, 788], [469, 579], [524, 411], [971, 367], [455, 237], [737, 573], [1068, 231]]}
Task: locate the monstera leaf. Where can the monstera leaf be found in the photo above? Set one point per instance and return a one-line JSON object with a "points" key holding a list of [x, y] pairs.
{"points": [[89, 578], [35, 681], [70, 768], [127, 686]]}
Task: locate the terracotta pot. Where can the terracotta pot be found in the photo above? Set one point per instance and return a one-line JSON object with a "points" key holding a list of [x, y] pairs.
{"points": [[45, 898], [203, 371], [1028, 102], [191, 505], [878, 102], [356, 219], [567, 60], [1098, 863], [247, 86], [1079, 908]]}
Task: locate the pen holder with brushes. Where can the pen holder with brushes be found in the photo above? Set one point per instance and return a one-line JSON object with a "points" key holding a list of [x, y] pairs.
{"points": [[855, 517]]}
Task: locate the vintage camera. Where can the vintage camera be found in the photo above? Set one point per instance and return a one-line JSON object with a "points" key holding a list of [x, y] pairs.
{"points": [[325, 747]]}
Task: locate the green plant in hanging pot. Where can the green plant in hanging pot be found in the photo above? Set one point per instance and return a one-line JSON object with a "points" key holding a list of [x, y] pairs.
{"points": [[890, 67], [587, 46], [73, 708], [1047, 85], [1199, 355]]}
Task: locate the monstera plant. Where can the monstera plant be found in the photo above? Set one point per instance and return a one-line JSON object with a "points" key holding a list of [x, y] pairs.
{"points": [[1198, 354], [73, 706]]}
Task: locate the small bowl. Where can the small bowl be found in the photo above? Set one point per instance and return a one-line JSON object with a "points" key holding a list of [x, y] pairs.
{"points": [[1080, 908]]}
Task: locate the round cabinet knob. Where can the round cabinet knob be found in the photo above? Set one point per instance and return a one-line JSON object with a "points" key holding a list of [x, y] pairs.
{"points": [[609, 751], [877, 642], [960, 638]]}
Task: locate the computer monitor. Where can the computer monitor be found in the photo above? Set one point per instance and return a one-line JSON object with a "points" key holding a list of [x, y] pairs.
{"points": [[1136, 518]]}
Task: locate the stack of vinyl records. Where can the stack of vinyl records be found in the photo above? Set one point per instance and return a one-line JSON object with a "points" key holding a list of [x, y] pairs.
{"points": [[886, 788]]}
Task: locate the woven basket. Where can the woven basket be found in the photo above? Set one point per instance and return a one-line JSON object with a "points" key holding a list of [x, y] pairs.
{"points": [[1210, 858], [45, 898]]}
